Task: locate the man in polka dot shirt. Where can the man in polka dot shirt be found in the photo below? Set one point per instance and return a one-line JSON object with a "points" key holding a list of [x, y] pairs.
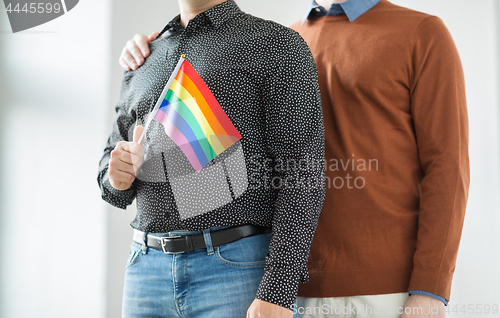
{"points": [[233, 239], [397, 159]]}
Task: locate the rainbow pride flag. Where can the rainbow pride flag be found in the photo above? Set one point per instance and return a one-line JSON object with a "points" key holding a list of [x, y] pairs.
{"points": [[193, 118]]}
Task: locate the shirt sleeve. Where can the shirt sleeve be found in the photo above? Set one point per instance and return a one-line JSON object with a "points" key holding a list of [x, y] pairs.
{"points": [[295, 135], [424, 293], [439, 112], [121, 131]]}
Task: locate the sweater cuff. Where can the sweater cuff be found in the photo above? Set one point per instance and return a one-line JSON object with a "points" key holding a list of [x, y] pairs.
{"points": [[279, 286], [424, 293], [434, 281]]}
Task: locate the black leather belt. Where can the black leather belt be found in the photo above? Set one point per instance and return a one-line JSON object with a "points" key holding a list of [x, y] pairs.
{"points": [[187, 243]]}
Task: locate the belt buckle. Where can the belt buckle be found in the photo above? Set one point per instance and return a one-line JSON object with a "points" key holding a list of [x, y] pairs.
{"points": [[162, 240]]}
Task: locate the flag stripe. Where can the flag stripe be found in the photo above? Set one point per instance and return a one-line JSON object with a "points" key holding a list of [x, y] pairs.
{"points": [[179, 139], [196, 111], [174, 119], [186, 113], [212, 102], [193, 118], [210, 117]]}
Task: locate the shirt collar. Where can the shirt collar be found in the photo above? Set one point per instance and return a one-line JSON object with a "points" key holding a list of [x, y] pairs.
{"points": [[217, 16], [352, 8], [223, 12]]}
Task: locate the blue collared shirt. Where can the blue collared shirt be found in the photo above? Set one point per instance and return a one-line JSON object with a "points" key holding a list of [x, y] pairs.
{"points": [[354, 9]]}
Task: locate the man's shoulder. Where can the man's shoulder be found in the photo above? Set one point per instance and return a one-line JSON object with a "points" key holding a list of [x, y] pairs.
{"points": [[385, 13], [417, 22], [392, 13], [268, 30]]}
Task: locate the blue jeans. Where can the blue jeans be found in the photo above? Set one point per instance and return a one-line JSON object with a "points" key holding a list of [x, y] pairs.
{"points": [[214, 282]]}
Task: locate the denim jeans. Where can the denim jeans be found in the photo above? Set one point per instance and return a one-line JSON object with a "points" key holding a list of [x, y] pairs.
{"points": [[215, 282]]}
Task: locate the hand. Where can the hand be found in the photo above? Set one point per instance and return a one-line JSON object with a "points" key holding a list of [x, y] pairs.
{"points": [[419, 306], [263, 309], [126, 161], [136, 50]]}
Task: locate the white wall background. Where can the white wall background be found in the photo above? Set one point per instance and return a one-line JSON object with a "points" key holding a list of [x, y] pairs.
{"points": [[63, 251], [54, 104]]}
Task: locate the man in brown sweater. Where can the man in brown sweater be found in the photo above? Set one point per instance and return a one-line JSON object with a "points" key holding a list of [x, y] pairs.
{"points": [[397, 165]]}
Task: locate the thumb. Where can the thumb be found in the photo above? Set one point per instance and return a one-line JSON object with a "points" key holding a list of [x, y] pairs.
{"points": [[138, 131], [153, 36]]}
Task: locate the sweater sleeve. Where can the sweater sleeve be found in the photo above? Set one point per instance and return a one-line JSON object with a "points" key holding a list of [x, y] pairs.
{"points": [[295, 139], [439, 111], [121, 131]]}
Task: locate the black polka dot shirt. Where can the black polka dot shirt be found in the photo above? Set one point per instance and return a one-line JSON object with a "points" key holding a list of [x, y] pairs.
{"points": [[265, 79]]}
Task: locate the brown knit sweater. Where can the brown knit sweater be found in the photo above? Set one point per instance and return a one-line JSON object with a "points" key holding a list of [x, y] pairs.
{"points": [[397, 153]]}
